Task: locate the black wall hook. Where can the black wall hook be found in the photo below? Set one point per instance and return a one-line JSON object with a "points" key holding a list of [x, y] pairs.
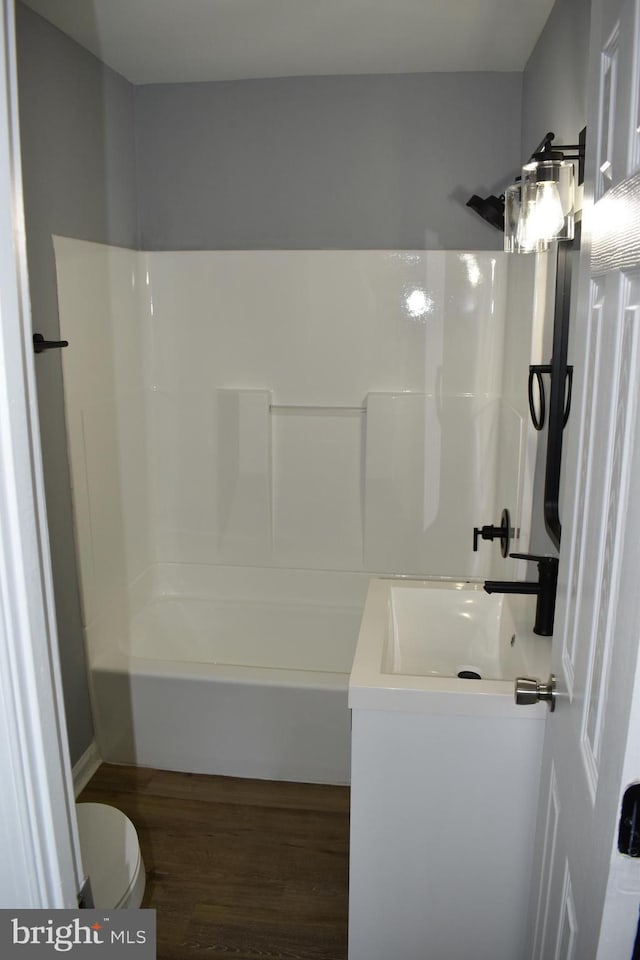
{"points": [[40, 344]]}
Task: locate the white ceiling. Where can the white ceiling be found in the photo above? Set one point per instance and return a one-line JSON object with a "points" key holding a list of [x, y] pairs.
{"points": [[172, 41]]}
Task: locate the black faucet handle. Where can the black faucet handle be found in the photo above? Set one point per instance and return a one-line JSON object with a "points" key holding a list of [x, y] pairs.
{"points": [[488, 532], [531, 556], [546, 562], [503, 533]]}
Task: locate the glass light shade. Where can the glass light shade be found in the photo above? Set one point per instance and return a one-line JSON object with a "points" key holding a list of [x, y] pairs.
{"points": [[520, 232], [512, 205], [550, 201]]}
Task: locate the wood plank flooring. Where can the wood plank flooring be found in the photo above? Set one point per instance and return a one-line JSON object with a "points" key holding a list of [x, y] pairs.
{"points": [[248, 869]]}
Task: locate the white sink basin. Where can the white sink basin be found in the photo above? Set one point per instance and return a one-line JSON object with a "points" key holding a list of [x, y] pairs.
{"points": [[448, 639], [443, 632]]}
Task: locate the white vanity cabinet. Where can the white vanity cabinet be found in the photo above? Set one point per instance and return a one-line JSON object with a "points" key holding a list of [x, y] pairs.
{"points": [[444, 792]]}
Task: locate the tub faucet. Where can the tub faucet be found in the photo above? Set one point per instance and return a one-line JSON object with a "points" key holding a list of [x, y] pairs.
{"points": [[544, 588]]}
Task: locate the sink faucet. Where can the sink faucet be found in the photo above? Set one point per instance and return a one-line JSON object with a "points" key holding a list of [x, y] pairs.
{"points": [[544, 588]]}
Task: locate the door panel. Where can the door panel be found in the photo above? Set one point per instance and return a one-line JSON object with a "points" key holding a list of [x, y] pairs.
{"points": [[577, 569], [585, 894], [546, 899], [39, 848]]}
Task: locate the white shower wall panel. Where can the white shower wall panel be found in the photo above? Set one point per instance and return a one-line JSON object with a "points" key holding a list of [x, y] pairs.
{"points": [[103, 314], [317, 464], [183, 496], [325, 327], [316, 332], [430, 473], [228, 407]]}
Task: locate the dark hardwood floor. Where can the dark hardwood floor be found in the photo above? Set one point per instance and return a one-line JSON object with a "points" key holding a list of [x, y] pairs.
{"points": [[243, 869]]}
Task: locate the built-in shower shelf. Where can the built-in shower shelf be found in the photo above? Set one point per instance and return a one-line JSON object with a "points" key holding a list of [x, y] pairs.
{"points": [[316, 484], [316, 410]]}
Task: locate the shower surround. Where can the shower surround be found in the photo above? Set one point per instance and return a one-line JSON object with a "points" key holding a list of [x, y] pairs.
{"points": [[252, 435]]}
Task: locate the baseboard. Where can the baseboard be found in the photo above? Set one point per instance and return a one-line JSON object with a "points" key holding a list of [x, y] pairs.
{"points": [[85, 768]]}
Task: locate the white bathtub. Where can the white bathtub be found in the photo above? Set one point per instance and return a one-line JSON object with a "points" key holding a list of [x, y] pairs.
{"points": [[229, 670]]}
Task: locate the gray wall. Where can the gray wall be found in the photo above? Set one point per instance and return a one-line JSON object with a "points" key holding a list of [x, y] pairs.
{"points": [[76, 124], [554, 92], [325, 162], [555, 98]]}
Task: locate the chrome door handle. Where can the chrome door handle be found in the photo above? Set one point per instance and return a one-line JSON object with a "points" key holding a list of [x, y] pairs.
{"points": [[528, 691]]}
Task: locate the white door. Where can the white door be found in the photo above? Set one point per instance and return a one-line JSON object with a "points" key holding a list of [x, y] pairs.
{"points": [[585, 893], [38, 834]]}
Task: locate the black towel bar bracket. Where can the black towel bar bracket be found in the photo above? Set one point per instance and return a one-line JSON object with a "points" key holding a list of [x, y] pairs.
{"points": [[538, 416]]}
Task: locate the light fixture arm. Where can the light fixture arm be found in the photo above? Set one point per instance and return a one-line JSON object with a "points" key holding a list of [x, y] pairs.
{"points": [[544, 145], [547, 148]]}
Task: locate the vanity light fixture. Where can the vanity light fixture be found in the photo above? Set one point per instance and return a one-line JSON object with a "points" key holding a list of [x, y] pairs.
{"points": [[539, 207], [542, 204]]}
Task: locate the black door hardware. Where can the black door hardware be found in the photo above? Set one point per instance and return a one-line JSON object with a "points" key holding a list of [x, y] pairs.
{"points": [[489, 532], [629, 827], [40, 344]]}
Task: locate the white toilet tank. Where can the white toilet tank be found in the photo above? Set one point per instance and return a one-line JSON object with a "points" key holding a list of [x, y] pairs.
{"points": [[111, 856]]}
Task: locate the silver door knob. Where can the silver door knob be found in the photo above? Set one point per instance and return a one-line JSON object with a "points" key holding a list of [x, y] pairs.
{"points": [[528, 691]]}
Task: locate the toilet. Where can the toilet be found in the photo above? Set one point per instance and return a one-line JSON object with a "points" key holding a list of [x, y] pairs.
{"points": [[110, 856]]}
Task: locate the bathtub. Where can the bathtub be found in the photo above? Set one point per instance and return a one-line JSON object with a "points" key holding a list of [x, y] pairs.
{"points": [[233, 671]]}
